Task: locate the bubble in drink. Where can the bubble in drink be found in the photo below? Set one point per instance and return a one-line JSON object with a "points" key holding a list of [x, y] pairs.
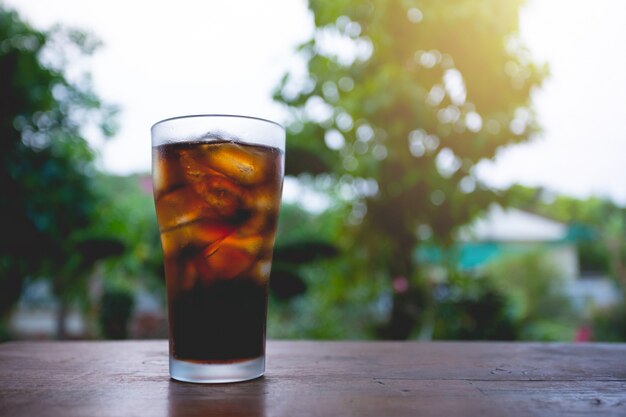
{"points": [[217, 206]]}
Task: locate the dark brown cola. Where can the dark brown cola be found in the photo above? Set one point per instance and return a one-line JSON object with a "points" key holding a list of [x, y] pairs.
{"points": [[217, 206]]}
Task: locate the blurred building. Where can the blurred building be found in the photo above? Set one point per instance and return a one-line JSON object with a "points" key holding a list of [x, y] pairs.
{"points": [[510, 231], [506, 232]]}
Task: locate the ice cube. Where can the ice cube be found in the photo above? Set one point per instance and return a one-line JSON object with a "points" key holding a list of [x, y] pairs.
{"points": [[263, 203], [231, 258], [198, 234], [246, 164], [166, 171], [225, 263], [250, 244], [193, 165], [183, 205], [219, 192], [222, 195]]}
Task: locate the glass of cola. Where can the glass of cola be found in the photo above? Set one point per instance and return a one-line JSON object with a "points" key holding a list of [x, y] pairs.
{"points": [[217, 183]]}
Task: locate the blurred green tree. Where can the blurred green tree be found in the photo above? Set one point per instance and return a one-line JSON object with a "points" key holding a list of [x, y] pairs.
{"points": [[116, 310], [410, 95], [473, 307], [317, 293], [127, 211], [537, 301], [47, 204], [600, 226]]}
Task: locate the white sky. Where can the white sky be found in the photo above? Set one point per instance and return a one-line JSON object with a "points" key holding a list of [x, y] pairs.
{"points": [[582, 106], [163, 58]]}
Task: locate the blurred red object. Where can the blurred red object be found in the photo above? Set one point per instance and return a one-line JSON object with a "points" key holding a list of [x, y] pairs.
{"points": [[400, 285], [584, 334]]}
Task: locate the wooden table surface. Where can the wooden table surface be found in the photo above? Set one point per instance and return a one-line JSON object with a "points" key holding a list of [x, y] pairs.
{"points": [[320, 379]]}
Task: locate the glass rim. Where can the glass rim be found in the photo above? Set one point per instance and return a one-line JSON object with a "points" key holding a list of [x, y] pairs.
{"points": [[216, 115]]}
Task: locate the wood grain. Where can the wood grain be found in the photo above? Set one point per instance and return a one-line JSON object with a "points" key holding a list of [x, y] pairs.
{"points": [[320, 379]]}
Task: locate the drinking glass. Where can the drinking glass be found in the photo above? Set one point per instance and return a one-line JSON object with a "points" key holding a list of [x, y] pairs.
{"points": [[217, 183]]}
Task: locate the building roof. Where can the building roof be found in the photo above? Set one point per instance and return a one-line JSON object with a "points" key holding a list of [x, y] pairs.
{"points": [[514, 225]]}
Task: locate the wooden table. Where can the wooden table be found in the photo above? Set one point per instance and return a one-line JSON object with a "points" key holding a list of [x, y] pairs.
{"points": [[42, 379]]}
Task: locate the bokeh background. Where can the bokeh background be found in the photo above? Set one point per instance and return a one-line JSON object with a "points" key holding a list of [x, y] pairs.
{"points": [[454, 168]]}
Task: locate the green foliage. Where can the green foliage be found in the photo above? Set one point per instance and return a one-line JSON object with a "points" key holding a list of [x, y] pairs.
{"points": [[302, 239], [285, 280], [517, 297], [609, 324], [473, 308], [340, 295], [593, 256], [127, 211], [340, 303], [590, 211], [537, 300], [599, 225], [46, 166], [412, 94], [116, 308]]}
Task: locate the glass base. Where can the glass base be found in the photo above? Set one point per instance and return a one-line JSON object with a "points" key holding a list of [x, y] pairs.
{"points": [[203, 373]]}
